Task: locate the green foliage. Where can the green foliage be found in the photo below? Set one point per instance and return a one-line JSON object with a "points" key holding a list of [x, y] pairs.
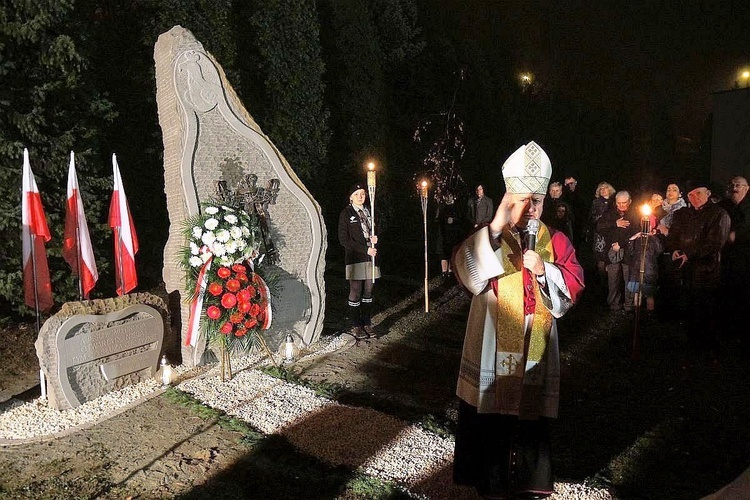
{"points": [[355, 85], [370, 48], [282, 80], [47, 104]]}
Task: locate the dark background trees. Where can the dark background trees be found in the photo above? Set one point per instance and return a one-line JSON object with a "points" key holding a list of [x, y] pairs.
{"points": [[334, 83]]}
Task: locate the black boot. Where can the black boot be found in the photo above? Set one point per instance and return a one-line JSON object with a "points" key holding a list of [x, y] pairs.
{"points": [[365, 316], [353, 312]]}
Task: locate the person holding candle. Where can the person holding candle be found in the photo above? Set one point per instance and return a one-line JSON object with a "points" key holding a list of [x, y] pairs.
{"points": [[360, 246], [645, 248], [509, 376]]}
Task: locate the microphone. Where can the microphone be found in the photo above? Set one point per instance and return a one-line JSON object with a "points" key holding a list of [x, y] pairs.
{"points": [[533, 228]]}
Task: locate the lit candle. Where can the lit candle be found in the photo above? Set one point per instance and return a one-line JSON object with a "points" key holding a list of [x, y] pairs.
{"points": [[646, 219], [423, 189], [289, 348], [371, 175], [167, 374]]}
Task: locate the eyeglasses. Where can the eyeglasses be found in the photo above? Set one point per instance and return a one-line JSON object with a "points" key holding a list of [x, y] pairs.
{"points": [[737, 184]]}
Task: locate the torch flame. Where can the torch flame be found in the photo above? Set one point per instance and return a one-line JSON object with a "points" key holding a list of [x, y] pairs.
{"points": [[424, 184], [646, 210], [371, 166]]}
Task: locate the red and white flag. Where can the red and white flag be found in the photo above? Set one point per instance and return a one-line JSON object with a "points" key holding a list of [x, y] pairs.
{"points": [[77, 248], [37, 286], [126, 241]]}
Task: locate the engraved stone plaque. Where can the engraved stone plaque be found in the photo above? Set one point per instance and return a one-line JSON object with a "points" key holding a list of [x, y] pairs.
{"points": [[210, 141], [89, 355]]}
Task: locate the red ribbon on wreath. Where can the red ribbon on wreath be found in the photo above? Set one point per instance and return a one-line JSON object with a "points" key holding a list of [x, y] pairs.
{"points": [[264, 316], [196, 305]]}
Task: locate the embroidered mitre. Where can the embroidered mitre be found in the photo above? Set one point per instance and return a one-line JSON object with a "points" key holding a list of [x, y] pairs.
{"points": [[527, 170]]}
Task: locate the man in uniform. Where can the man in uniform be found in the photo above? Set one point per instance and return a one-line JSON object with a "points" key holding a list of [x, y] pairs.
{"points": [[510, 370]]}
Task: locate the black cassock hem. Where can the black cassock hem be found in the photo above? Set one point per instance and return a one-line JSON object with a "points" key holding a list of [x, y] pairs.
{"points": [[500, 454]]}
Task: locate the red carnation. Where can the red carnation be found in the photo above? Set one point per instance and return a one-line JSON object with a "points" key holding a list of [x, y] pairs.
{"points": [[244, 307], [239, 268], [242, 278], [213, 312], [233, 285], [241, 332], [255, 309], [228, 300], [215, 289], [226, 328], [251, 290], [251, 323], [224, 272], [244, 295], [236, 318]]}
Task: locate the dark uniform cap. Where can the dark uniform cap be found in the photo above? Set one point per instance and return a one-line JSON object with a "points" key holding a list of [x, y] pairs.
{"points": [[357, 187]]}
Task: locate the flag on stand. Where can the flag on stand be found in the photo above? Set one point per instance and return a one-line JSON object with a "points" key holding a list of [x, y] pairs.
{"points": [[77, 248], [37, 286], [126, 241]]}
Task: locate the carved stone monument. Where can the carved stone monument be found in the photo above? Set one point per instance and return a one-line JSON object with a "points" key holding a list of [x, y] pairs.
{"points": [[214, 149], [94, 347]]}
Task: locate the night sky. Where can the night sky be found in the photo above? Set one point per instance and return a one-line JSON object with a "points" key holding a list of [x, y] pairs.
{"points": [[637, 53]]}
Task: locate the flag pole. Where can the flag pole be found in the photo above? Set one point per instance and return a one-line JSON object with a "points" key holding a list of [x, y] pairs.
{"points": [[119, 258], [78, 262], [33, 274], [42, 378], [79, 254]]}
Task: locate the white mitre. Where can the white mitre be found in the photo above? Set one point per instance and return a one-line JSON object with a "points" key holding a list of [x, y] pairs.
{"points": [[527, 170]]}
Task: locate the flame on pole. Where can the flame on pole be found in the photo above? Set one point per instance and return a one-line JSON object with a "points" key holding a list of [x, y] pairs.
{"points": [[371, 185], [423, 190], [645, 233]]}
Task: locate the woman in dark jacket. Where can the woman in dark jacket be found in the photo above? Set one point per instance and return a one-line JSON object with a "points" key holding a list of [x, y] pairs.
{"points": [[604, 201], [355, 235]]}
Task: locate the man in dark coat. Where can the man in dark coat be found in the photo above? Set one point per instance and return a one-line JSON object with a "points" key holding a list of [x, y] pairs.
{"points": [[480, 208], [579, 205], [695, 241], [617, 226], [735, 262]]}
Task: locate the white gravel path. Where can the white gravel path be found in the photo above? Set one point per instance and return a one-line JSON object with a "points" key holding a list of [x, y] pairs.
{"points": [[361, 438]]}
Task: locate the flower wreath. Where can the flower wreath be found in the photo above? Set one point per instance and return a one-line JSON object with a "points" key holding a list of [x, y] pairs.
{"points": [[230, 301]]}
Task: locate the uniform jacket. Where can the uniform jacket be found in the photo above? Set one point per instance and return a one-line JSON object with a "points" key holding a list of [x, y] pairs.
{"points": [[351, 237]]}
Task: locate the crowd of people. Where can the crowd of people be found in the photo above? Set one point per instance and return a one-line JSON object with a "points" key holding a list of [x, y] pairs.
{"points": [[690, 264], [688, 258]]}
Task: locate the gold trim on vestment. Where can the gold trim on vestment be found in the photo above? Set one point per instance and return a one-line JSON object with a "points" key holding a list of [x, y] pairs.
{"points": [[510, 334]]}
